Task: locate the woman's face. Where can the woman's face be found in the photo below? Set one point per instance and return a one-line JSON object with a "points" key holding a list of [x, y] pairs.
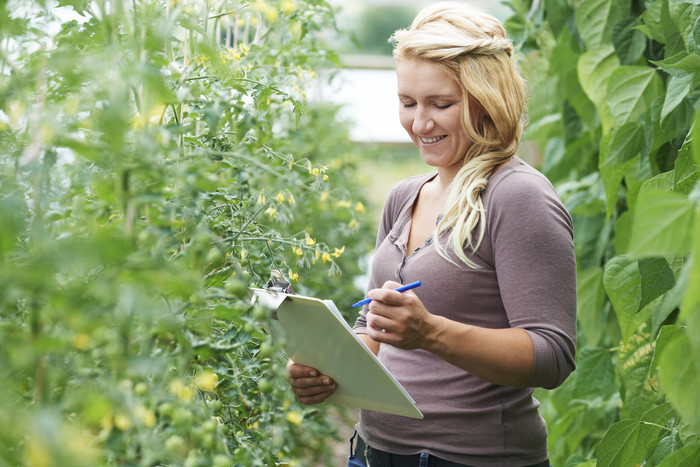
{"points": [[430, 110]]}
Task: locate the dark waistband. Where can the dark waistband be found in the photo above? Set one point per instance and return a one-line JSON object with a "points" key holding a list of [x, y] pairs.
{"points": [[379, 458]]}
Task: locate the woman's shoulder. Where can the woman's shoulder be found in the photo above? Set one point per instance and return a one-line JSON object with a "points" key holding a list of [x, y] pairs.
{"points": [[410, 186], [519, 179]]}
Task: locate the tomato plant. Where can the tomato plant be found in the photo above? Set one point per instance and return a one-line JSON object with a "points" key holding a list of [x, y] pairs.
{"points": [[157, 158], [614, 109]]}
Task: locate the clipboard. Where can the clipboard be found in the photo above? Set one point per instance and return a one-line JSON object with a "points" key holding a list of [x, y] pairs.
{"points": [[312, 332]]}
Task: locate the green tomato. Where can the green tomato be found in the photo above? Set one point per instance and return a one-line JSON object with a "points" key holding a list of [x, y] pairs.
{"points": [[209, 426], [236, 287], [259, 313], [165, 409], [176, 444], [267, 349], [220, 460], [215, 256], [216, 405], [182, 417], [266, 385], [141, 389]]}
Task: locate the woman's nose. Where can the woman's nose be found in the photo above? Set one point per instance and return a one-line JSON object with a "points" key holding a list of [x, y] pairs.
{"points": [[422, 121]]}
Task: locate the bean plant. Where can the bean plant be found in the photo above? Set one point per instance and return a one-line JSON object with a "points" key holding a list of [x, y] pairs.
{"points": [[615, 88], [157, 159]]}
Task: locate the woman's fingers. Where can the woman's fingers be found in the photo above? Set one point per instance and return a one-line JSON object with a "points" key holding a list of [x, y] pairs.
{"points": [[308, 384]]}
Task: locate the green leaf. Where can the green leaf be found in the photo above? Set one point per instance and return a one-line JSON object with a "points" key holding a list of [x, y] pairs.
{"points": [[631, 91], [629, 41], [595, 68], [595, 373], [595, 20], [589, 304], [677, 89], [693, 41], [690, 307], [657, 279], [629, 442], [687, 455], [666, 335], [695, 141], [685, 171], [652, 22], [622, 282], [684, 15], [680, 64], [663, 224], [626, 143], [680, 378], [673, 298]]}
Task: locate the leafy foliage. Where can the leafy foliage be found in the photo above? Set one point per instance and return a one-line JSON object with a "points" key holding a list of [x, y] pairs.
{"points": [[157, 159], [614, 108]]}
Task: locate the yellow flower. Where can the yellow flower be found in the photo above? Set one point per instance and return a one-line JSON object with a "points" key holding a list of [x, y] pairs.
{"points": [[309, 241], [359, 207], [287, 6], [261, 199], [37, 454], [352, 224], [291, 163], [244, 253], [122, 422], [291, 199], [293, 275], [325, 178], [295, 418], [206, 381], [338, 252], [147, 417], [326, 257], [81, 341], [297, 251], [343, 204], [280, 197], [271, 211], [178, 389]]}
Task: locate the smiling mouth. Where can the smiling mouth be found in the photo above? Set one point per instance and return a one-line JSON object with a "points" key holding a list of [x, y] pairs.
{"points": [[432, 140]]}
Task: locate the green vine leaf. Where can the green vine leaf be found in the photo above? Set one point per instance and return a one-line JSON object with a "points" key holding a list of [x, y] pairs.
{"points": [[663, 224], [595, 20], [680, 377], [631, 91], [628, 442], [687, 455], [622, 282]]}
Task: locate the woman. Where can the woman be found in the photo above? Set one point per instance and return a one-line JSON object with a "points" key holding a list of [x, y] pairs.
{"points": [[492, 244]]}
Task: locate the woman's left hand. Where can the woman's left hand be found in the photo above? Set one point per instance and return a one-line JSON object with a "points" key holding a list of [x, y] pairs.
{"points": [[399, 318]]}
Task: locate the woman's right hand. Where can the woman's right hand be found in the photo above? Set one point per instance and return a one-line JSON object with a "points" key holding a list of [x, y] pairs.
{"points": [[308, 384]]}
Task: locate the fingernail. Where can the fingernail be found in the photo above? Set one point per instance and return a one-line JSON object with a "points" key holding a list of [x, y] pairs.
{"points": [[313, 374], [326, 381]]}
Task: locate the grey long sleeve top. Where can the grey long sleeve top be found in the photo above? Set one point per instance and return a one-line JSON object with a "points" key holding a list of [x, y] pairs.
{"points": [[526, 279]]}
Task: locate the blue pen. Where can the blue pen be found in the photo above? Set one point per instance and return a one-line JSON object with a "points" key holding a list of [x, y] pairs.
{"points": [[403, 288]]}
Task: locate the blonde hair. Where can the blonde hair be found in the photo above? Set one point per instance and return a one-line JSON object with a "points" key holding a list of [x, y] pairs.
{"points": [[473, 48]]}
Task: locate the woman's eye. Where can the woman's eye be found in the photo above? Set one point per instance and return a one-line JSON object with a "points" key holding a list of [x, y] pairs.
{"points": [[443, 107], [407, 105]]}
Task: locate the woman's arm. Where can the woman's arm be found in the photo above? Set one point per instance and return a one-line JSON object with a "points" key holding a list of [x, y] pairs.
{"points": [[500, 356]]}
